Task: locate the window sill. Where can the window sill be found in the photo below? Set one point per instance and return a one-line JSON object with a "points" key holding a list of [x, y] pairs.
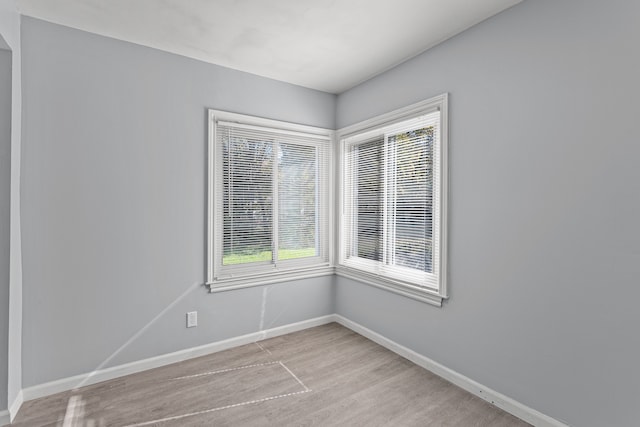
{"points": [[248, 281], [414, 292]]}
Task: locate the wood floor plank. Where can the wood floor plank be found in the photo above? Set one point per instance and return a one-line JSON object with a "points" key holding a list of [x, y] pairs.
{"points": [[323, 376]]}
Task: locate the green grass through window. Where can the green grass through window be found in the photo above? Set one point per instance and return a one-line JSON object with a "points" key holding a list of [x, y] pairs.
{"points": [[244, 258]]}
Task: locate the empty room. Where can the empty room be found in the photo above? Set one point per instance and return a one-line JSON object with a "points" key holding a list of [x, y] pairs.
{"points": [[319, 212]]}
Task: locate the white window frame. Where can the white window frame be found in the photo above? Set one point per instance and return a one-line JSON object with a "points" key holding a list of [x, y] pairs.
{"points": [[364, 270], [223, 278]]}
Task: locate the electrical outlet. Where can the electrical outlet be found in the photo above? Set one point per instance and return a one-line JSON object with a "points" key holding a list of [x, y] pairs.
{"points": [[192, 319]]}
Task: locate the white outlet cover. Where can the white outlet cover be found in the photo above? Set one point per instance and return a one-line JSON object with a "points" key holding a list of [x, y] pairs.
{"points": [[192, 319]]}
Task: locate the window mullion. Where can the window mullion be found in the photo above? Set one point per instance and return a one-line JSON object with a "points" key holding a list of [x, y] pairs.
{"points": [[230, 185], [353, 211], [317, 201], [393, 170], [388, 201], [275, 210]]}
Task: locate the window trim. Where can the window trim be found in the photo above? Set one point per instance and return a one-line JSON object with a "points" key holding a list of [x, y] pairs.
{"points": [[431, 296], [244, 277]]}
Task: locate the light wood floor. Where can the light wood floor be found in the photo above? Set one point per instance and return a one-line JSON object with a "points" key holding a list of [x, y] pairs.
{"points": [[324, 376]]}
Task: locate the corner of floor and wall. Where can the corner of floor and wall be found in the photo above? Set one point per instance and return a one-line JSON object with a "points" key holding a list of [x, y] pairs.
{"points": [[543, 243]]}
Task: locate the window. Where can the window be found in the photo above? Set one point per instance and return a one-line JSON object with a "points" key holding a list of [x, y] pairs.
{"points": [[393, 201], [268, 201]]}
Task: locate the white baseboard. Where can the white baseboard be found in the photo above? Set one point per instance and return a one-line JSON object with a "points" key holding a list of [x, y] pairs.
{"points": [[15, 406], [4, 417], [503, 402], [71, 383]]}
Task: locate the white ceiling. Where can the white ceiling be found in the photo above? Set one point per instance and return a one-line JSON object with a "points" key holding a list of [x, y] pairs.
{"points": [[330, 45]]}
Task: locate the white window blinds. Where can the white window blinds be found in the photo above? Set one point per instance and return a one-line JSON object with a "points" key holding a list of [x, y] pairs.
{"points": [[391, 201], [271, 199]]}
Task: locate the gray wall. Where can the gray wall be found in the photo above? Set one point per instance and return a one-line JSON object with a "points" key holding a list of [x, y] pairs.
{"points": [[545, 202], [5, 209], [113, 198]]}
